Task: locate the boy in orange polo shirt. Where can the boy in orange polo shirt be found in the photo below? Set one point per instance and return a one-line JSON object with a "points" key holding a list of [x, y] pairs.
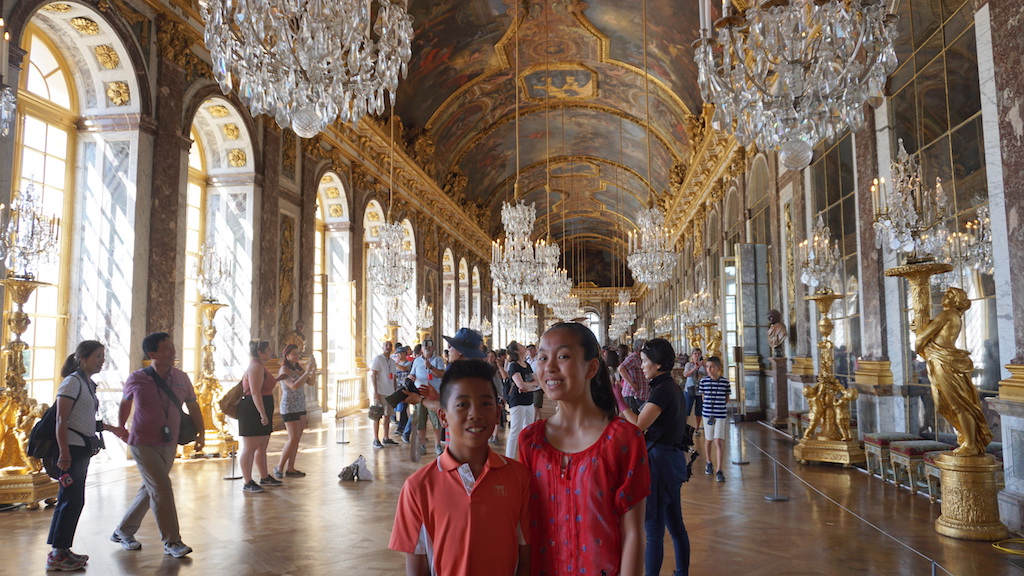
{"points": [[466, 513]]}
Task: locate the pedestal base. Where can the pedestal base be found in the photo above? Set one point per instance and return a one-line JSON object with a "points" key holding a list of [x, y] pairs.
{"points": [[779, 382], [28, 489], [970, 507], [216, 445], [845, 452]]}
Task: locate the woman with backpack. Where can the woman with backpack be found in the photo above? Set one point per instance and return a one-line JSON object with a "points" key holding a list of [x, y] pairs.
{"points": [[77, 442]]}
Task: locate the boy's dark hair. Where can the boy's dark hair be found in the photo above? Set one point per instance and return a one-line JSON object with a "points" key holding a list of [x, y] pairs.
{"points": [[601, 383], [716, 361], [152, 342], [660, 352], [463, 369]]}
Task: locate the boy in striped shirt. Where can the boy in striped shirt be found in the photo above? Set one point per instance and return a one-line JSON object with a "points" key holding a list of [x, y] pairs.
{"points": [[715, 389]]}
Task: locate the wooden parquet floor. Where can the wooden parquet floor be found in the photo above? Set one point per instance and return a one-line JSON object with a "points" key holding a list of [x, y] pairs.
{"points": [[836, 522]]}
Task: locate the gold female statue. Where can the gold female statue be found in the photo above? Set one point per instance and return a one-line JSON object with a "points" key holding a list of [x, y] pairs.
{"points": [[949, 369]]}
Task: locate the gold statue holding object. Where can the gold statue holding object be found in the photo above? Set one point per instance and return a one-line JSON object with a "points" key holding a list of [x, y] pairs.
{"points": [[950, 369]]}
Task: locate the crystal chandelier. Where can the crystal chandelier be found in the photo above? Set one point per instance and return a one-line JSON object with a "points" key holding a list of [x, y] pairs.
{"points": [[623, 316], [703, 307], [30, 237], [507, 313], [979, 249], [307, 62], [424, 315], [390, 263], [820, 256], [789, 74], [212, 272], [514, 266], [651, 257], [908, 218]]}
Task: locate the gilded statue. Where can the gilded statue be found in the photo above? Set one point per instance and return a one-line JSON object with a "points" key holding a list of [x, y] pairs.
{"points": [[777, 333], [950, 369], [26, 420], [843, 413], [12, 456], [815, 406]]}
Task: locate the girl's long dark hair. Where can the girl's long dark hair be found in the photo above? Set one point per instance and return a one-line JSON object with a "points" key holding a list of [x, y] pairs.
{"points": [[284, 358], [85, 349], [601, 383]]}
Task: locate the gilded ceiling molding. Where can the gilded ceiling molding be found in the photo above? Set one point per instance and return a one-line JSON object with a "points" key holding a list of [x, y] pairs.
{"points": [[174, 42], [368, 149], [715, 155]]}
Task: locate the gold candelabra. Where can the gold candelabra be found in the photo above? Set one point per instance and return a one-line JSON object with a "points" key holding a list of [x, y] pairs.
{"points": [[218, 440], [828, 437], [20, 477]]}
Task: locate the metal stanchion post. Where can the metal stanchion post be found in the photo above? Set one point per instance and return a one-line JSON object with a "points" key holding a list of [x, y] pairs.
{"points": [[342, 426], [741, 458], [775, 474], [232, 476]]}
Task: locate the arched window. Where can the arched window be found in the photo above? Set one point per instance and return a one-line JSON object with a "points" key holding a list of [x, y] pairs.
{"points": [[333, 329], [44, 158], [219, 213], [463, 293], [376, 312], [477, 306], [448, 314], [407, 323], [593, 321]]}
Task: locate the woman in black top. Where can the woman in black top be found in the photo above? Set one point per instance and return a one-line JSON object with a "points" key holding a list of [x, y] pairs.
{"points": [[520, 396], [663, 420]]}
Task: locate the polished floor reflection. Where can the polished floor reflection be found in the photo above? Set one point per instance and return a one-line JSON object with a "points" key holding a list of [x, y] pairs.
{"points": [[836, 522]]}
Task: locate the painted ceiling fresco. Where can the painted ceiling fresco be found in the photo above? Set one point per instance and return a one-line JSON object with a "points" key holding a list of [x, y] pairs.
{"points": [[586, 107]]}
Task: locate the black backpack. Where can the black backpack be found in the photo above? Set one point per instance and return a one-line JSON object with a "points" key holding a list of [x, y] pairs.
{"points": [[42, 440]]}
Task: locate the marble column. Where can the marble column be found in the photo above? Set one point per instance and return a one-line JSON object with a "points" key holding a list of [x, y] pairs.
{"points": [[165, 284], [268, 254], [309, 185], [999, 31]]}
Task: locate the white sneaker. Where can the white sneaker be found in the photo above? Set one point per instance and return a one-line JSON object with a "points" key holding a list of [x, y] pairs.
{"points": [[364, 470], [177, 549]]}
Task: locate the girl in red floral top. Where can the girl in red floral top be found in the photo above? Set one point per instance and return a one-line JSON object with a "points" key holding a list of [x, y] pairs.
{"points": [[589, 467]]}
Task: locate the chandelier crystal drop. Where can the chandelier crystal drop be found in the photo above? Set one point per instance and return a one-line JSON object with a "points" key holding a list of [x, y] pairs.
{"points": [[514, 266], [820, 257], [390, 263], [307, 62], [910, 219], [788, 74], [651, 258]]}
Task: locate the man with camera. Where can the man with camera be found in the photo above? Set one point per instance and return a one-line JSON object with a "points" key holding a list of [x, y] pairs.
{"points": [[156, 393]]}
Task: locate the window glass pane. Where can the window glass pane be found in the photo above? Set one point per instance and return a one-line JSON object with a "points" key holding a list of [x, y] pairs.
{"points": [[59, 93], [55, 173], [43, 367], [57, 142], [34, 135], [35, 83], [33, 164], [40, 55]]}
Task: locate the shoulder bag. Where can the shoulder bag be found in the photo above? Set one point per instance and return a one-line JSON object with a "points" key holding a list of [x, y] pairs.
{"points": [[228, 403], [187, 431]]}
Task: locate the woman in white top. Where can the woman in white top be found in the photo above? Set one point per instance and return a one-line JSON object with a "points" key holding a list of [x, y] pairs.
{"points": [[76, 423], [293, 407]]}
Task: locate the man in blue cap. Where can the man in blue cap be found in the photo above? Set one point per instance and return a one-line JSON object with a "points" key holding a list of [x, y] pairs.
{"points": [[467, 343]]}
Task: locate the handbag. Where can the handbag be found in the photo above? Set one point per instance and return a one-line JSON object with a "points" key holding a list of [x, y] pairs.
{"points": [[187, 430], [228, 403], [376, 412]]}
